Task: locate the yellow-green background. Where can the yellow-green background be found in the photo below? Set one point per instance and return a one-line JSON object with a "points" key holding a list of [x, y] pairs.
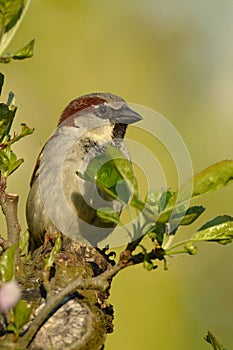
{"points": [[175, 57]]}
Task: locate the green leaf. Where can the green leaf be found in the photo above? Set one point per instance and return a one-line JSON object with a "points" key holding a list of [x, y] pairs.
{"points": [[185, 217], [210, 338], [210, 179], [6, 118], [124, 174], [11, 15], [94, 165], [10, 12], [24, 52], [92, 171], [20, 54], [14, 164], [108, 215], [213, 178], [57, 246], [7, 263], [125, 192], [124, 167], [22, 312], [148, 264], [219, 229], [25, 131], [156, 233], [176, 209], [113, 173], [4, 163], [192, 214], [108, 176], [8, 160], [164, 199], [11, 328], [156, 202], [152, 198], [24, 242]]}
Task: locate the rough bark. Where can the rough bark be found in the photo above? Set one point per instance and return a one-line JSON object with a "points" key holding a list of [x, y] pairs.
{"points": [[83, 318]]}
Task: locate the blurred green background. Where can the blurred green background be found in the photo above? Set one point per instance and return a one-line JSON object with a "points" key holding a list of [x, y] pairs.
{"points": [[172, 56]]}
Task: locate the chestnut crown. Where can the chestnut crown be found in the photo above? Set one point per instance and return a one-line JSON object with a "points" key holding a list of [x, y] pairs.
{"points": [[103, 105]]}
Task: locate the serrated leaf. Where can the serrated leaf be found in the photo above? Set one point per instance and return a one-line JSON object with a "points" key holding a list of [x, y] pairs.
{"points": [[219, 229], [22, 312], [11, 15], [108, 215], [192, 214], [210, 179], [7, 263], [213, 178], [181, 216]]}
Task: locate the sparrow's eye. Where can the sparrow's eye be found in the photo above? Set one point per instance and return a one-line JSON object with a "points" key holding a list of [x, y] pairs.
{"points": [[102, 110]]}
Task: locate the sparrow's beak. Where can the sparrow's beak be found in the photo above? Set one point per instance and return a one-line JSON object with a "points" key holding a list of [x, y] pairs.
{"points": [[127, 116]]}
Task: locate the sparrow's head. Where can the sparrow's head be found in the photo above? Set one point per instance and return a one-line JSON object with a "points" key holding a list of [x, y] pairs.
{"points": [[104, 106], [91, 111]]}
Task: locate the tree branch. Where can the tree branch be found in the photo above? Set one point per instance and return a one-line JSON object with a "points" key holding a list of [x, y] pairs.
{"points": [[100, 283], [9, 204]]}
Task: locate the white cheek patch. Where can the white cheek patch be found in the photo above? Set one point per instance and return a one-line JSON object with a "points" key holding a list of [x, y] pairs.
{"points": [[100, 134]]}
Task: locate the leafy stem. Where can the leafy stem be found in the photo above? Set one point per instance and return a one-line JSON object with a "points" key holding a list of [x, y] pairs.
{"points": [[172, 250]]}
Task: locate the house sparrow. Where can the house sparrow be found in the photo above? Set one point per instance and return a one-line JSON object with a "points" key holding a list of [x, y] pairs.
{"points": [[59, 200]]}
